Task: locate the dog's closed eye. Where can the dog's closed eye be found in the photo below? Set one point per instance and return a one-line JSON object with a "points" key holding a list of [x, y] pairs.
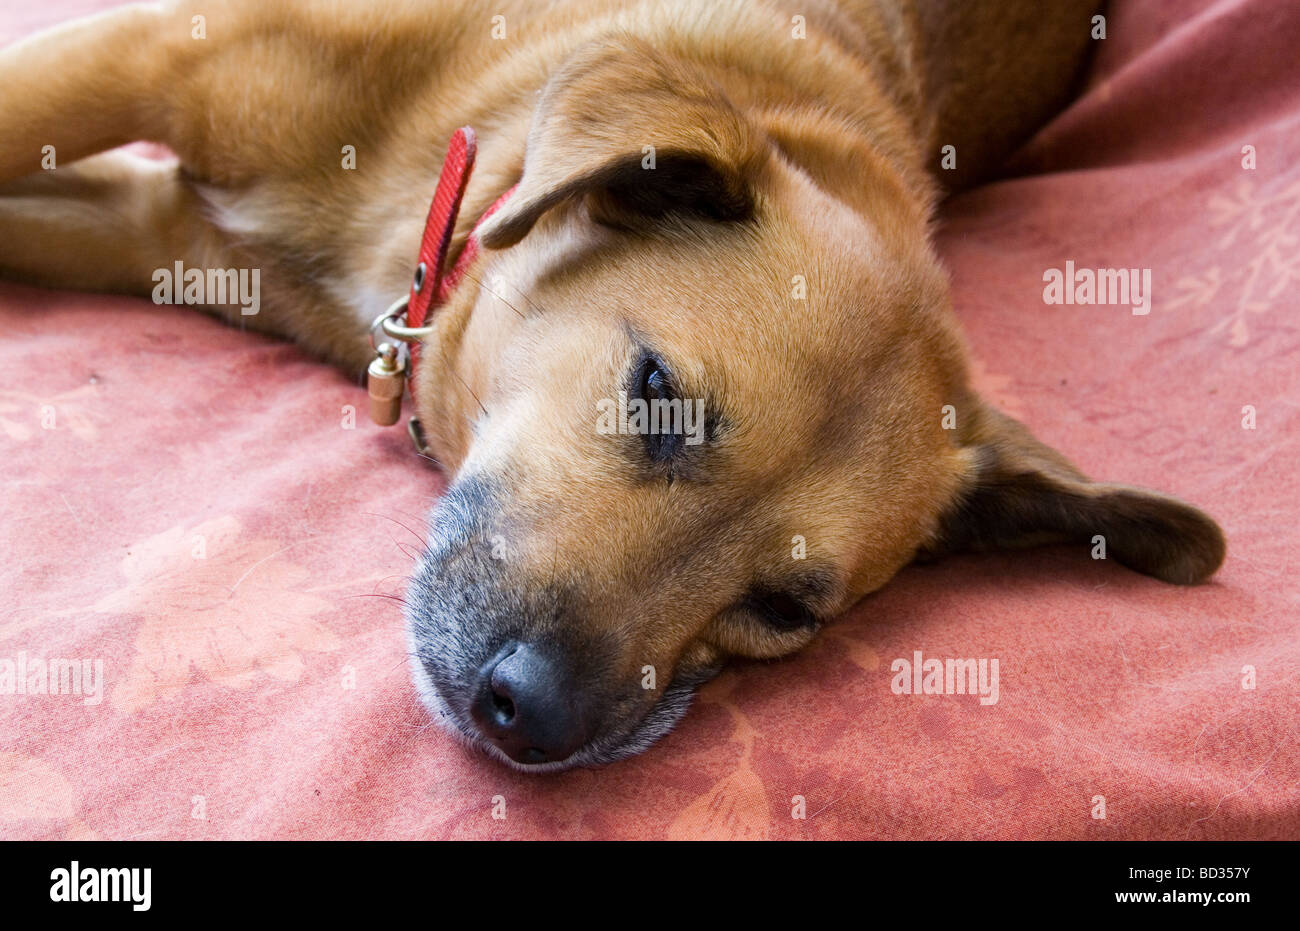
{"points": [[653, 384], [780, 610], [798, 603]]}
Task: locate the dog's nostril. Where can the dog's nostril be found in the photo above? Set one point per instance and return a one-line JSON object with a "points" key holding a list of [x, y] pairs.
{"points": [[503, 707]]}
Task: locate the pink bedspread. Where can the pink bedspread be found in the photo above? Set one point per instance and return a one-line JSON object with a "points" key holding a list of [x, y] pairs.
{"points": [[183, 505]]}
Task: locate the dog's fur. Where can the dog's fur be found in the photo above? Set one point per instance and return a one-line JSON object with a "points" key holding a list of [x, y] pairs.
{"points": [[776, 157]]}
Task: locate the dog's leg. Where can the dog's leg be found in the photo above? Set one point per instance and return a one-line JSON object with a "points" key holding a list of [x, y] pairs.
{"points": [[247, 135], [84, 87], [73, 215], [119, 222], [105, 223]]}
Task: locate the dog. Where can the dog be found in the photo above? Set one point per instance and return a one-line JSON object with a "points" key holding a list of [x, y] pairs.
{"points": [[724, 204]]}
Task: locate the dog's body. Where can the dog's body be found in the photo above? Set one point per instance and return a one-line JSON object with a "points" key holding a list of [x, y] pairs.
{"points": [[773, 263]]}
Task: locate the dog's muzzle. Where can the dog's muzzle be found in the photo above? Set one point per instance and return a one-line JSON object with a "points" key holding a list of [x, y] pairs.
{"points": [[502, 663]]}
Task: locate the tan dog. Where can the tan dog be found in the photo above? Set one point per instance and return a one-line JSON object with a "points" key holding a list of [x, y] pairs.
{"points": [[579, 585]]}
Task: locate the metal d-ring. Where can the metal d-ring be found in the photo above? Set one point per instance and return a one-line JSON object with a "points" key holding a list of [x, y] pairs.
{"points": [[387, 321]]}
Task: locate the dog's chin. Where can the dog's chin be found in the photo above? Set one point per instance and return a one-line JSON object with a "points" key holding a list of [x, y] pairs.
{"points": [[620, 744]]}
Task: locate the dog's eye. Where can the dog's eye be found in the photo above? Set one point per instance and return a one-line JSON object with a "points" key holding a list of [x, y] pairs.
{"points": [[654, 381], [654, 386], [780, 610]]}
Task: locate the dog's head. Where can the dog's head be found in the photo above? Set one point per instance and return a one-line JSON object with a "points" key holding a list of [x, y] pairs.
{"points": [[668, 253]]}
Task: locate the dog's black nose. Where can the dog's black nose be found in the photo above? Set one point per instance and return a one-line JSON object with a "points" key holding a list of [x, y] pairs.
{"points": [[526, 704]]}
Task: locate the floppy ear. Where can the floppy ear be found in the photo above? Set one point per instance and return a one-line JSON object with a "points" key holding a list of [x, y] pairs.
{"points": [[590, 135], [1020, 492]]}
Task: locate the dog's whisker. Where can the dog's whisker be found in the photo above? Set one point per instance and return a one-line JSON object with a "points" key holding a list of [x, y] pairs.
{"points": [[479, 282], [398, 598], [401, 662], [399, 523], [464, 384], [407, 551]]}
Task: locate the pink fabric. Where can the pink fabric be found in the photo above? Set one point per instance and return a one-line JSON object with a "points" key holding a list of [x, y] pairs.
{"points": [[227, 710]]}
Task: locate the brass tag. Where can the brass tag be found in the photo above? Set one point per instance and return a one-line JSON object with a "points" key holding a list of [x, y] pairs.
{"points": [[386, 380]]}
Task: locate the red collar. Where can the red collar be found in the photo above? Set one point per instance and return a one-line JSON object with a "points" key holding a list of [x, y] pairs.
{"points": [[432, 284], [439, 227]]}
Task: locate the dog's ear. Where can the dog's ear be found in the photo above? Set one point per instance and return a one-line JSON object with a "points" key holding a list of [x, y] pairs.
{"points": [[638, 134], [1019, 492]]}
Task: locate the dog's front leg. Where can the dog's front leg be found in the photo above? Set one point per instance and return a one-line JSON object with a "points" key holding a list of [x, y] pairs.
{"points": [[106, 223], [250, 96], [84, 87], [73, 215]]}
